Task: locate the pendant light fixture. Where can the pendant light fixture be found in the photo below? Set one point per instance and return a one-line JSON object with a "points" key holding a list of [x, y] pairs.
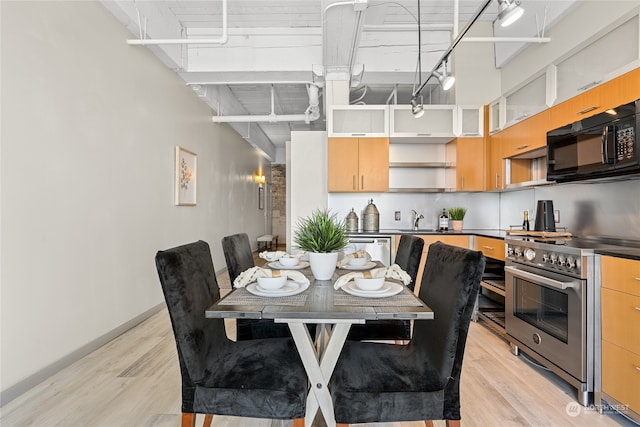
{"points": [[509, 11], [416, 107]]}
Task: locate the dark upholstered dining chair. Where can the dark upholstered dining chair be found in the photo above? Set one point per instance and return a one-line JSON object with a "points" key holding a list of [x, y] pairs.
{"points": [[376, 382], [239, 257], [257, 379], [408, 257]]}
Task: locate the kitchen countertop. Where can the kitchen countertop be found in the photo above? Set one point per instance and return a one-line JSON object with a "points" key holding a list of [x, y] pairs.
{"points": [[499, 234], [622, 252]]}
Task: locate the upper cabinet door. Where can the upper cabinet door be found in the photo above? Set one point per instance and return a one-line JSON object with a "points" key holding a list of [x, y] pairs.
{"points": [[374, 164], [358, 120], [436, 125], [470, 164], [358, 165], [343, 161], [612, 55]]}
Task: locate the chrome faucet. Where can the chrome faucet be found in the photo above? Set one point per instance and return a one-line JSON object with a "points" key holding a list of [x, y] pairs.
{"points": [[417, 217]]}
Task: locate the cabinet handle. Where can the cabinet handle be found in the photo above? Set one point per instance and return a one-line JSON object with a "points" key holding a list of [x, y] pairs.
{"points": [[637, 308], [638, 279], [522, 147], [354, 183], [358, 134], [497, 181], [637, 368], [461, 181], [362, 182], [489, 248], [586, 110]]}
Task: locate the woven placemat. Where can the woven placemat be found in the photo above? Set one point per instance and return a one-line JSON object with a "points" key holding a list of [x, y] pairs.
{"points": [[404, 298], [242, 297]]}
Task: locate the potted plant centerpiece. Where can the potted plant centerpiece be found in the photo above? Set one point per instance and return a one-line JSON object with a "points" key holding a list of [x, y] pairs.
{"points": [[457, 215], [323, 236]]}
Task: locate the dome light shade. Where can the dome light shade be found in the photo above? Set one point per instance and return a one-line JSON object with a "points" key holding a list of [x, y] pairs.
{"points": [[509, 11]]}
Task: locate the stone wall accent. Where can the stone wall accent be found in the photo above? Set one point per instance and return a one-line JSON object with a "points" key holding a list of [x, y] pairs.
{"points": [[279, 201]]}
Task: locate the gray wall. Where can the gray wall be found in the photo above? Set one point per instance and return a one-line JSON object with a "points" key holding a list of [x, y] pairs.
{"points": [[88, 132], [587, 209]]}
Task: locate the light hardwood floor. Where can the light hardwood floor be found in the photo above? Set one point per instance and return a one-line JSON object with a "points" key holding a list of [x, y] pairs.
{"points": [[135, 381]]}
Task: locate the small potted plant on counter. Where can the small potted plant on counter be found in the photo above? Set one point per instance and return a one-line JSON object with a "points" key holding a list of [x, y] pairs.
{"points": [[323, 236], [456, 215]]}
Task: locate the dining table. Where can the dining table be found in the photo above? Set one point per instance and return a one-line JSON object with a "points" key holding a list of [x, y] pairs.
{"points": [[334, 310]]}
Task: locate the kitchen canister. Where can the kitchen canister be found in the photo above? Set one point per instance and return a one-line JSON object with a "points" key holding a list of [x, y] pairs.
{"points": [[371, 218], [352, 221]]}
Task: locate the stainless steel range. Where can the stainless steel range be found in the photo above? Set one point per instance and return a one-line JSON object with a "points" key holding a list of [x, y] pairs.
{"points": [[549, 306]]}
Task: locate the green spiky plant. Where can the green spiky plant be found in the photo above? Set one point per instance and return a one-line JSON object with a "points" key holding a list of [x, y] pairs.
{"points": [[321, 232], [457, 214]]}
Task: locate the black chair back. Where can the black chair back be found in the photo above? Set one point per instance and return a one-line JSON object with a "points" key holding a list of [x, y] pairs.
{"points": [[189, 285], [237, 254], [408, 256], [449, 286]]}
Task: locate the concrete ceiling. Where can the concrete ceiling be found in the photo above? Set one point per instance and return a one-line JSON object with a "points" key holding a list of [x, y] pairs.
{"points": [[276, 48]]}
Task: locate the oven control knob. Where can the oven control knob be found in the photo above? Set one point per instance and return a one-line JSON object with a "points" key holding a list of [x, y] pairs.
{"points": [[571, 263], [545, 257], [553, 259], [518, 252], [561, 260], [529, 254], [537, 339], [509, 250]]}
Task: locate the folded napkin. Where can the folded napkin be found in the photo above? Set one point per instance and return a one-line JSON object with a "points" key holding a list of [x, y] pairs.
{"points": [[275, 256], [361, 253], [392, 272], [251, 275]]}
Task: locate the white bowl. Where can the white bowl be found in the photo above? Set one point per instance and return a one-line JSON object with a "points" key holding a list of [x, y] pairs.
{"points": [[289, 261], [272, 283], [369, 284], [358, 261]]}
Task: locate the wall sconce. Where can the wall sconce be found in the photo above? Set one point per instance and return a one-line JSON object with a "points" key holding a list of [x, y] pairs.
{"points": [[260, 179]]}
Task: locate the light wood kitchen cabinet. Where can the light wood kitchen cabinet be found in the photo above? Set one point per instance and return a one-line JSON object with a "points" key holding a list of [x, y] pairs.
{"points": [[470, 169], [526, 136], [489, 246], [358, 164], [620, 310], [613, 93], [495, 163]]}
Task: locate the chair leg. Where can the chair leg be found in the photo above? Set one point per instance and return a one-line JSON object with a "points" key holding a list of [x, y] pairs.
{"points": [[453, 423], [298, 422], [428, 423], [188, 419], [207, 420]]}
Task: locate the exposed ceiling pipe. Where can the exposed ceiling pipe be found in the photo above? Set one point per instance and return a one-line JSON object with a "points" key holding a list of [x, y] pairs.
{"points": [[221, 40], [312, 112]]}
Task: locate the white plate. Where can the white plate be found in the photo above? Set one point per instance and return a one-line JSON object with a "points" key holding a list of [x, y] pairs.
{"points": [[276, 265], [367, 266], [290, 288], [392, 289]]}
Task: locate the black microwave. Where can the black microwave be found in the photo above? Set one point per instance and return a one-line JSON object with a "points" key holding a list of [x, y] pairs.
{"points": [[599, 146]]}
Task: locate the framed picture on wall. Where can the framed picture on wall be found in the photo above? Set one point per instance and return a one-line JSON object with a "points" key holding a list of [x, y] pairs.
{"points": [[186, 177]]}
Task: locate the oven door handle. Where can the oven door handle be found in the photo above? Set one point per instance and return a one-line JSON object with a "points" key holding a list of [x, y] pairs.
{"points": [[539, 279]]}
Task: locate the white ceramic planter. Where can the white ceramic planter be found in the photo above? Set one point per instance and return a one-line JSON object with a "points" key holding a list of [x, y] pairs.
{"points": [[457, 225], [323, 265]]}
